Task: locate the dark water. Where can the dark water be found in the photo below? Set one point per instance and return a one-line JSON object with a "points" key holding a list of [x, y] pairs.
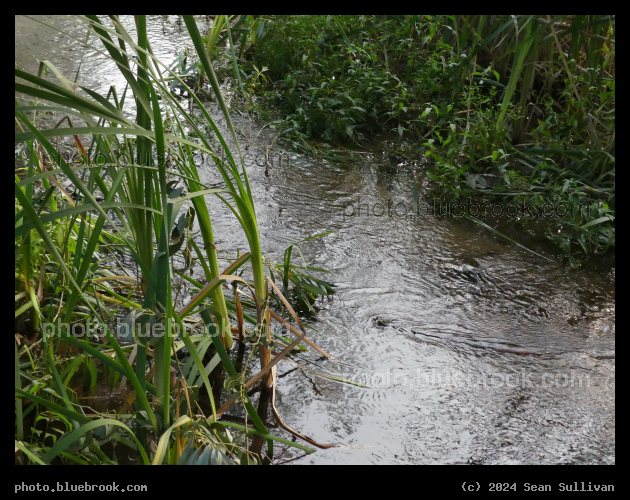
{"points": [[472, 349]]}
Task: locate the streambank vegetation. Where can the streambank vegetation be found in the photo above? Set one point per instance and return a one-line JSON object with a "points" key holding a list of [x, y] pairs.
{"points": [[121, 355], [509, 109]]}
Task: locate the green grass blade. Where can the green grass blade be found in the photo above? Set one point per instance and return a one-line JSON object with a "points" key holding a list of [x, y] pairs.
{"points": [[266, 435], [29, 453], [69, 439]]}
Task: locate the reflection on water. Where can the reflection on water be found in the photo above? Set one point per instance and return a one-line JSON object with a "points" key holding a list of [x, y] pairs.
{"points": [[62, 40], [472, 350]]}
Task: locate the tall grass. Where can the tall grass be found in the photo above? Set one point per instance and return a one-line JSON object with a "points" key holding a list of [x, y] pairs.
{"points": [[142, 198]]}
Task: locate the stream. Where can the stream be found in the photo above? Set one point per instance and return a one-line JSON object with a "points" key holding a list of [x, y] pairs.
{"points": [[456, 346]]}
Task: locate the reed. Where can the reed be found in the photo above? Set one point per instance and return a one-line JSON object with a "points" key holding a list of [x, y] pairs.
{"points": [[138, 213]]}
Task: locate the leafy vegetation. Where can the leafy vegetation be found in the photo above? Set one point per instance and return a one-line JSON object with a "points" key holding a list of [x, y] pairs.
{"points": [[126, 192], [507, 108]]}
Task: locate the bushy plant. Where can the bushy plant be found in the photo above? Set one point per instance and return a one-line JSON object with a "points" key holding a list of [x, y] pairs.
{"points": [[498, 102]]}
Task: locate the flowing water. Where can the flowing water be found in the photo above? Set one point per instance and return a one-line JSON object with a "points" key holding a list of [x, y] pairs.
{"points": [[461, 347]]}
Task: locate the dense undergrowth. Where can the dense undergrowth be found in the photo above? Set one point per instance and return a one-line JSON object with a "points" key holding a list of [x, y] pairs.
{"points": [[509, 109]]}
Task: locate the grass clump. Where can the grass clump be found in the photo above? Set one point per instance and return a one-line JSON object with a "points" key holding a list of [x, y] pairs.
{"points": [[89, 390]]}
